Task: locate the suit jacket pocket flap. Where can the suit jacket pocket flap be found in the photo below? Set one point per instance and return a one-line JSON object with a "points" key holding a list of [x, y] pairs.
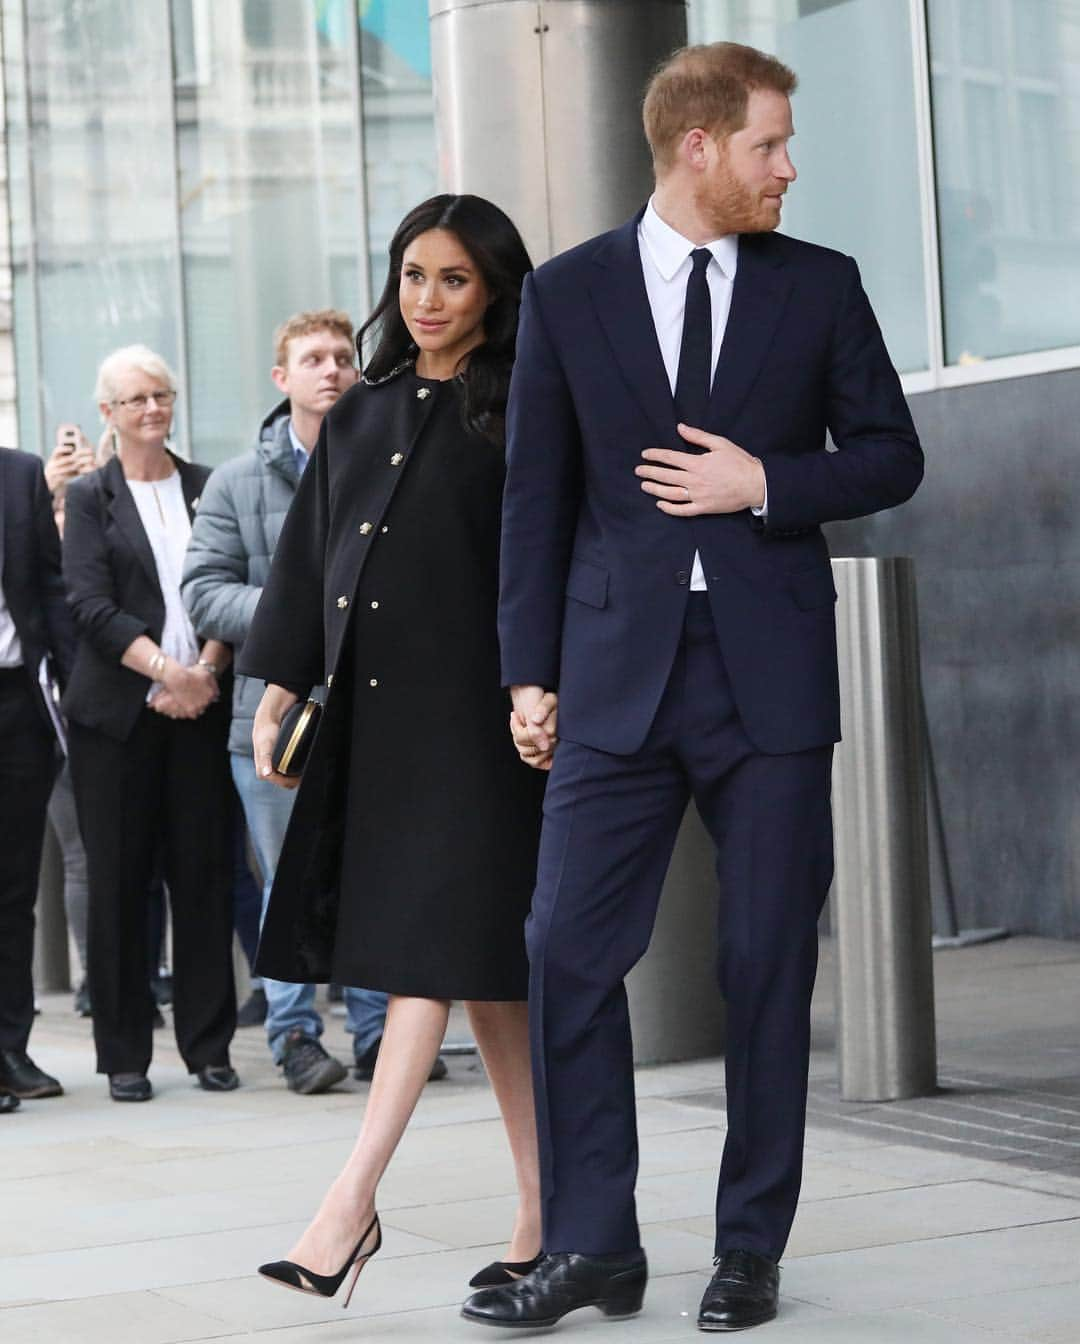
{"points": [[587, 583], [812, 587]]}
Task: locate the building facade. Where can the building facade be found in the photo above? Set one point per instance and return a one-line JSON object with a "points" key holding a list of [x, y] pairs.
{"points": [[188, 172]]}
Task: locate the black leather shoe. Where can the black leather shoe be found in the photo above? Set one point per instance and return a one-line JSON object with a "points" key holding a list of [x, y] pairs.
{"points": [[364, 1065], [743, 1292], [562, 1283], [20, 1076], [130, 1087], [217, 1078], [8, 1103]]}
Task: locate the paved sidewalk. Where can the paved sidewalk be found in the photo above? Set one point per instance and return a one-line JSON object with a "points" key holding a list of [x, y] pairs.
{"points": [[950, 1220]]}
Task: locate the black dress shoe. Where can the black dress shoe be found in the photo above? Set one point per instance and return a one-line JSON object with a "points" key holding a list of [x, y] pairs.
{"points": [[8, 1103], [364, 1065], [743, 1292], [504, 1271], [130, 1087], [217, 1078], [562, 1283], [20, 1076]]}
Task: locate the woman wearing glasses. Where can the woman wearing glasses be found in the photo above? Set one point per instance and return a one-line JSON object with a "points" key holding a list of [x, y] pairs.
{"points": [[148, 725]]}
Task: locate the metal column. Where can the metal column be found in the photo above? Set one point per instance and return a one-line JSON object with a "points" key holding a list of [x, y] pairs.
{"points": [[881, 894], [538, 107]]}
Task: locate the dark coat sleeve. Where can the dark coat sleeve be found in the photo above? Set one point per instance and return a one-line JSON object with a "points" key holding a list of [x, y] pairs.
{"points": [[286, 643], [89, 577], [59, 627], [878, 463], [540, 505]]}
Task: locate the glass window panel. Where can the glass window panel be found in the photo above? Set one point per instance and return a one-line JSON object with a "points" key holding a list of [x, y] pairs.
{"points": [[399, 119], [103, 193], [1007, 141], [269, 201], [855, 148]]}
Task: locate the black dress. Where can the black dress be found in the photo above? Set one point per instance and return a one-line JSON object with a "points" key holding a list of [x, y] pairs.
{"points": [[433, 822]]}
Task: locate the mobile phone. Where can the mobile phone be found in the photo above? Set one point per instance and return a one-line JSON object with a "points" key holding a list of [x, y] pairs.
{"points": [[67, 437]]}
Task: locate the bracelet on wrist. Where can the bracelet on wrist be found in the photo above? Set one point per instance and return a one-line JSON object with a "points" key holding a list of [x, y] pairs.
{"points": [[210, 667], [157, 665]]}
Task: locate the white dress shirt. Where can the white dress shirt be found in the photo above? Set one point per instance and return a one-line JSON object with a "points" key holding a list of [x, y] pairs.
{"points": [[10, 645], [165, 519], [666, 264]]}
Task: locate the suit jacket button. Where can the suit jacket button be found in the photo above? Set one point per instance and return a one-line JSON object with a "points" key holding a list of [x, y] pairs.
{"points": [[374, 681], [342, 602], [365, 528], [397, 459], [683, 577], [374, 606], [329, 681], [384, 529]]}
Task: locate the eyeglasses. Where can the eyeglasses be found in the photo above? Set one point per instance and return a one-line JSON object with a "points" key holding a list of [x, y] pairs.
{"points": [[140, 403]]}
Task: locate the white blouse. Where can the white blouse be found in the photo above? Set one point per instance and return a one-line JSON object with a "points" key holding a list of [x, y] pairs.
{"points": [[164, 514]]}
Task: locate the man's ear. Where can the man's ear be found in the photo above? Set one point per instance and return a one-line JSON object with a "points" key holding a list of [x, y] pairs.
{"points": [[281, 378], [693, 147]]}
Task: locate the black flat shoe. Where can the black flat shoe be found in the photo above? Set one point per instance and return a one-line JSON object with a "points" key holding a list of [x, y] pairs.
{"points": [[217, 1078], [20, 1076], [301, 1280], [130, 1087], [8, 1102], [743, 1292], [504, 1271], [560, 1284]]}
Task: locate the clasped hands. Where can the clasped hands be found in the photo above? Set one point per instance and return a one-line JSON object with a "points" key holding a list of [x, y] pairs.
{"points": [[186, 691]]}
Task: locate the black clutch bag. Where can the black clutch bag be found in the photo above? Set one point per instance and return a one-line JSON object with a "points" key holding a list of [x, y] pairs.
{"points": [[295, 737]]}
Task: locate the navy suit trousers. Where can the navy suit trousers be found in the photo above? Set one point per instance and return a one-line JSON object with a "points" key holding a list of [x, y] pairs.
{"points": [[610, 824]]}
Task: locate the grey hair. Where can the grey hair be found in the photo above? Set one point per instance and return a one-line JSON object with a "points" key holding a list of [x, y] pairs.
{"points": [[130, 357]]}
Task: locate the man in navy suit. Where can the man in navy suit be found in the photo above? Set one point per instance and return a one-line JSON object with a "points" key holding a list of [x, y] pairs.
{"points": [[667, 587], [36, 634]]}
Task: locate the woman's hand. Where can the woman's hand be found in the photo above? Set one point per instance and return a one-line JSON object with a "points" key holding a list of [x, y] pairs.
{"points": [[264, 734], [193, 689], [533, 724], [166, 703]]}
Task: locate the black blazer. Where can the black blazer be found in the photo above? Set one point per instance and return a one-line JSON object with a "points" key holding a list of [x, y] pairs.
{"points": [[30, 573], [595, 576], [113, 592]]}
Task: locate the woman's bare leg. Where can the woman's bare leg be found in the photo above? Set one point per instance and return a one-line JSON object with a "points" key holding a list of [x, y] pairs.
{"points": [[502, 1034], [412, 1035]]}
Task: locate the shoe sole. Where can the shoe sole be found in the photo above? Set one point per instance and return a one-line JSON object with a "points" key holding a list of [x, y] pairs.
{"points": [[743, 1325], [37, 1093], [329, 1075], [548, 1322]]}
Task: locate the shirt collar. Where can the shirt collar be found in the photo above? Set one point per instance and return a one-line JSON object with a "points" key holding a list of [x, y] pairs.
{"points": [[669, 250], [297, 446]]}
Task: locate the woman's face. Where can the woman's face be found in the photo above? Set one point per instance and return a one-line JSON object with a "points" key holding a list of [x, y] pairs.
{"points": [[141, 411], [443, 299]]}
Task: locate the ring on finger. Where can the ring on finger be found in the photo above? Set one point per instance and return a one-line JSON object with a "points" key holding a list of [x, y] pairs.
{"points": [[689, 500]]}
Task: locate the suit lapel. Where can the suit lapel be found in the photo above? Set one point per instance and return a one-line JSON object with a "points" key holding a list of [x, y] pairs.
{"points": [[758, 299], [617, 287], [122, 510], [190, 484]]}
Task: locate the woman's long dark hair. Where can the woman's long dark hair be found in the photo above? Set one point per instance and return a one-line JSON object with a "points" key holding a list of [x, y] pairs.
{"points": [[495, 246]]}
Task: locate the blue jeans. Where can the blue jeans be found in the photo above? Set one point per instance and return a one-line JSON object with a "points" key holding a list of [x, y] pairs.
{"points": [[289, 1007]]}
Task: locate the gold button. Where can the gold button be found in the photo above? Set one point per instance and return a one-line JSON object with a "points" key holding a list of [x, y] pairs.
{"points": [[342, 602], [329, 681], [365, 528], [374, 606], [397, 459], [374, 681]]}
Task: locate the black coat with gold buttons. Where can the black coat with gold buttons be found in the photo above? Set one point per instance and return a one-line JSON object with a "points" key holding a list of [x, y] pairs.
{"points": [[409, 861]]}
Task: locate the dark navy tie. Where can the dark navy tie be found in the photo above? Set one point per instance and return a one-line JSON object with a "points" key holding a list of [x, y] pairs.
{"points": [[695, 355]]}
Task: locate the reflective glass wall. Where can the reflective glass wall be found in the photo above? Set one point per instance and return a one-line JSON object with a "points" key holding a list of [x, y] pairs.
{"points": [[188, 173], [855, 144]]}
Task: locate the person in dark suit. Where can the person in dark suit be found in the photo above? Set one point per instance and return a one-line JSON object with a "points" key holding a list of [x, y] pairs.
{"points": [[147, 733], [36, 636], [664, 572]]}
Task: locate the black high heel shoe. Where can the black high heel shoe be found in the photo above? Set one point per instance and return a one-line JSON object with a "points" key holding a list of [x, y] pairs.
{"points": [[301, 1280], [504, 1271]]}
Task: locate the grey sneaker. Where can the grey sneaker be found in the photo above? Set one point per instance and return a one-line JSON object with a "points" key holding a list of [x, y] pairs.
{"points": [[306, 1065]]}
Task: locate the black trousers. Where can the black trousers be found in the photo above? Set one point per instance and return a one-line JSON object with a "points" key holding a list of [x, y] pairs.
{"points": [[28, 763], [610, 824], [165, 791]]}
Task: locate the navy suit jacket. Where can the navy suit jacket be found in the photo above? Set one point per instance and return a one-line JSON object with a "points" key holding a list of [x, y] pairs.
{"points": [[595, 577]]}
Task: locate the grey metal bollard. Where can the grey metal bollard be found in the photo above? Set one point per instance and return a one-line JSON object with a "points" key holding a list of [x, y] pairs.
{"points": [[881, 892]]}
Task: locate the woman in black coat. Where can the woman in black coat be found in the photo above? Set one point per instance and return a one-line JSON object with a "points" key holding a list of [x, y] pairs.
{"points": [[147, 737], [410, 858]]}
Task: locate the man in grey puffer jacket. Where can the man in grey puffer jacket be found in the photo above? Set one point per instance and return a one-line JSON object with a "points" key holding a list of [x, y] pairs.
{"points": [[240, 515]]}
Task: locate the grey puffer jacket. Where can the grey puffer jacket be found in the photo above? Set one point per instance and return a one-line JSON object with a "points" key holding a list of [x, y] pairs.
{"points": [[236, 528]]}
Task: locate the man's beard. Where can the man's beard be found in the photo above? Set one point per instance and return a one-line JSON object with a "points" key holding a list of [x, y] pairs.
{"points": [[731, 207]]}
